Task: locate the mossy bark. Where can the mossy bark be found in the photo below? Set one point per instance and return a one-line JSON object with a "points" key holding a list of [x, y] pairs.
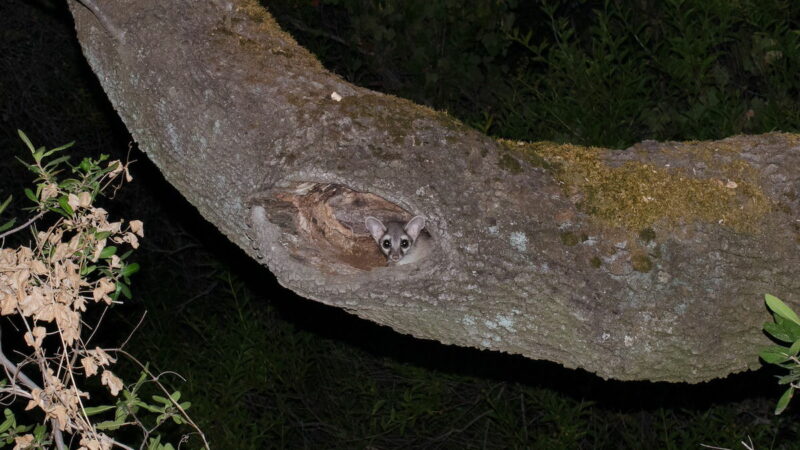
{"points": [[649, 263]]}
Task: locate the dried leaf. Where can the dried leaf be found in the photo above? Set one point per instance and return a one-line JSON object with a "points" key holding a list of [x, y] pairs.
{"points": [[84, 199], [137, 227], [38, 267], [73, 202], [34, 338], [104, 287], [49, 191], [89, 365], [113, 382], [98, 248], [24, 442]]}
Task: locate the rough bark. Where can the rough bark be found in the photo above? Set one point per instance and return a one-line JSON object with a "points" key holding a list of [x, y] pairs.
{"points": [[648, 263]]}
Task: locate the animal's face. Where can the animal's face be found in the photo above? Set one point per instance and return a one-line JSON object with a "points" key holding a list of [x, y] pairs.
{"points": [[395, 239], [395, 242]]}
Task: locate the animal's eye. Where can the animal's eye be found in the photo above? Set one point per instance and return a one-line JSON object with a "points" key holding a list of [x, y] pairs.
{"points": [[387, 244], [404, 243]]}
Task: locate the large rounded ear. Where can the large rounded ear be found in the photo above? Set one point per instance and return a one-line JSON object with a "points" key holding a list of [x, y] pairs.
{"points": [[375, 228], [414, 226]]}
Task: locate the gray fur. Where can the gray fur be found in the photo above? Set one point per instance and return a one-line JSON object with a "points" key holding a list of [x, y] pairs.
{"points": [[397, 240]]}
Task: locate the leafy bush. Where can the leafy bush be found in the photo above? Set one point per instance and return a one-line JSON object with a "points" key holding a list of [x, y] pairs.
{"points": [[785, 328], [71, 265], [592, 72]]}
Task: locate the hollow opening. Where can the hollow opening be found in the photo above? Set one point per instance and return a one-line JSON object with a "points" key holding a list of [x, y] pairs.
{"points": [[323, 224]]}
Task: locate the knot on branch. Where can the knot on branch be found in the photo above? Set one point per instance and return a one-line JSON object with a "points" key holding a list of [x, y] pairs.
{"points": [[322, 224]]}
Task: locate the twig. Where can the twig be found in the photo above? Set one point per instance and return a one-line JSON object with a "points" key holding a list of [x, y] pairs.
{"points": [[11, 367], [130, 335], [24, 225], [166, 394]]}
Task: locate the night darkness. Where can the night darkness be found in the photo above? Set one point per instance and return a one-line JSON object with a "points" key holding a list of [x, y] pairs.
{"points": [[268, 369]]}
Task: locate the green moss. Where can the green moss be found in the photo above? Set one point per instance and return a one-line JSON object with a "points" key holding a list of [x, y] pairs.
{"points": [[596, 262], [647, 234], [569, 239], [641, 263], [636, 195]]}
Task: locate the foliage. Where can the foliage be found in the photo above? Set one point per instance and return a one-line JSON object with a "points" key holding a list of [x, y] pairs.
{"points": [[598, 72], [48, 286], [786, 329]]}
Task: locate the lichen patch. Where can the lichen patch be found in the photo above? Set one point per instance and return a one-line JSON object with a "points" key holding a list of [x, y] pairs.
{"points": [[637, 195]]}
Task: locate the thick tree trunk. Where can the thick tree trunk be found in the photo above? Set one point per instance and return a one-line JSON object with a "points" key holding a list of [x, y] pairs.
{"points": [[649, 263]]}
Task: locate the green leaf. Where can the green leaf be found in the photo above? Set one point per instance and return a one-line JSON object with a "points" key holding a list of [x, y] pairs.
{"points": [[777, 331], [25, 139], [108, 252], [774, 354], [783, 402], [64, 202], [92, 410], [29, 193], [102, 235], [124, 290], [7, 225], [129, 270], [109, 425], [58, 149], [795, 348], [52, 164], [5, 204], [86, 164], [9, 422], [87, 270], [39, 432], [780, 308], [161, 399]]}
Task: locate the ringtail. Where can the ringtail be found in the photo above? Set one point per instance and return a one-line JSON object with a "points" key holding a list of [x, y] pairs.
{"points": [[402, 243]]}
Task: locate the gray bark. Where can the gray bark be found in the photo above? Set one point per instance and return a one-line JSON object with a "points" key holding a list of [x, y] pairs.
{"points": [[534, 253]]}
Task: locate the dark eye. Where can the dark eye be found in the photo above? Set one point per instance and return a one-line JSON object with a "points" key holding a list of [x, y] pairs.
{"points": [[387, 244], [404, 243]]}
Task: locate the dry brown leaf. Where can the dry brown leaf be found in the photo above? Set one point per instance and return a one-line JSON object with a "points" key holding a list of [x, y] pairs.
{"points": [[101, 356], [24, 442], [137, 227], [73, 202], [59, 412], [35, 399], [89, 365], [89, 442], [34, 338], [8, 302], [38, 267], [104, 286], [117, 168], [98, 247], [84, 199], [8, 257], [113, 382], [69, 322], [49, 191], [33, 302]]}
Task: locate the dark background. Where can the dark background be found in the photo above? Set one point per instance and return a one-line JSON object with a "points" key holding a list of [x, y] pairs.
{"points": [[265, 368]]}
